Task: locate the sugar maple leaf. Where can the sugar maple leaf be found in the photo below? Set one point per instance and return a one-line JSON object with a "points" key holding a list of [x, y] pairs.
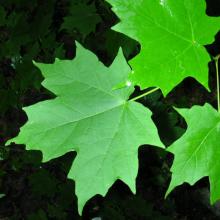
{"points": [[89, 117], [197, 152], [172, 35]]}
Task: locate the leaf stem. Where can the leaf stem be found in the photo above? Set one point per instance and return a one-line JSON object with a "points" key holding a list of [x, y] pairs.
{"points": [[144, 94], [217, 80]]}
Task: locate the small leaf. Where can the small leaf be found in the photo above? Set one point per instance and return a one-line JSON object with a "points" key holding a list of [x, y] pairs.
{"points": [[83, 18], [197, 152]]}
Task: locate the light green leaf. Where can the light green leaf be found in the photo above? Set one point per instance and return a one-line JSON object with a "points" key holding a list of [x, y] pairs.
{"points": [[197, 152], [92, 119], [172, 35]]}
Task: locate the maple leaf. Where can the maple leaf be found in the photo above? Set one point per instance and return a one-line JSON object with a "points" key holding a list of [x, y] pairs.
{"points": [[83, 18], [172, 35], [89, 117], [197, 152]]}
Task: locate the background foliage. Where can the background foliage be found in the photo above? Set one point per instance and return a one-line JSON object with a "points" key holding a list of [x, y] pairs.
{"points": [[29, 189]]}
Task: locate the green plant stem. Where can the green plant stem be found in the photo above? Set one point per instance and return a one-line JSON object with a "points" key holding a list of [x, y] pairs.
{"points": [[217, 81], [144, 94]]}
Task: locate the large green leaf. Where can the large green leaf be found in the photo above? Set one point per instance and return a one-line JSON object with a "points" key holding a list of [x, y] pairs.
{"points": [[92, 119], [197, 153], [172, 35]]}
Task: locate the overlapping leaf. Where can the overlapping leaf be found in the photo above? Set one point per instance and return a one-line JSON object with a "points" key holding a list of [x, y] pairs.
{"points": [[172, 35], [92, 119], [197, 152]]}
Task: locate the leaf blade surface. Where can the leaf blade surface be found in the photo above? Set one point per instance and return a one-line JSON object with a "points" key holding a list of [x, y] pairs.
{"points": [[197, 151]]}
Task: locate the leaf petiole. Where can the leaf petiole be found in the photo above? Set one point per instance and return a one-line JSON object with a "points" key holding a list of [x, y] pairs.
{"points": [[144, 94], [217, 80]]}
